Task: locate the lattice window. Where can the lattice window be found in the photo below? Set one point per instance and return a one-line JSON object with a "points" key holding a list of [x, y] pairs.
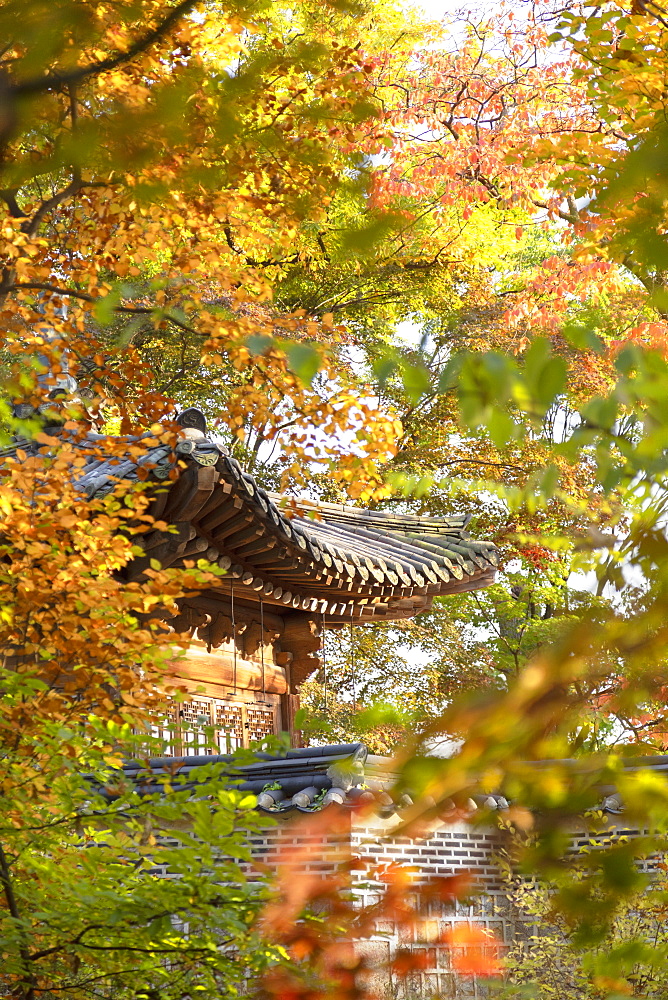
{"points": [[196, 727], [211, 725], [259, 722], [229, 724], [166, 730]]}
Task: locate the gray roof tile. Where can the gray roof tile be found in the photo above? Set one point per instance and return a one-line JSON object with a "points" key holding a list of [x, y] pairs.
{"points": [[356, 562]]}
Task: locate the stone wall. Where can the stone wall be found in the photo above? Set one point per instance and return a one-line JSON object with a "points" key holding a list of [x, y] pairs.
{"points": [[318, 843], [311, 844], [457, 848]]}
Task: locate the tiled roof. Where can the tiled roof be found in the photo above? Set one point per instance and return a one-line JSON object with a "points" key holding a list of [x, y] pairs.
{"points": [[308, 780], [336, 560], [315, 778], [611, 800]]}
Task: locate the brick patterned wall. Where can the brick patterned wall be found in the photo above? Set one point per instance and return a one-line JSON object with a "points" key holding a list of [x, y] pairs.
{"points": [[616, 831], [296, 842], [318, 843], [449, 850]]}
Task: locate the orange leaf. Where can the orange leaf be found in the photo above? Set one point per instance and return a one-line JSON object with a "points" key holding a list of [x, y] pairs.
{"points": [[475, 951]]}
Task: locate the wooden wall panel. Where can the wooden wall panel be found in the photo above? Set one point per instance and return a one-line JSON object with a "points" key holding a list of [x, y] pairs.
{"points": [[217, 669]]}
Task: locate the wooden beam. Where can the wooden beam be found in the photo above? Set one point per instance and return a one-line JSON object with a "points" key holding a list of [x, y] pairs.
{"points": [[224, 511], [190, 492], [244, 610], [218, 668]]}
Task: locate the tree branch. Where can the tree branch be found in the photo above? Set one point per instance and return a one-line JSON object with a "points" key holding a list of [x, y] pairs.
{"points": [[251, 261], [30, 227], [58, 80], [8, 195], [12, 905], [569, 216], [86, 297]]}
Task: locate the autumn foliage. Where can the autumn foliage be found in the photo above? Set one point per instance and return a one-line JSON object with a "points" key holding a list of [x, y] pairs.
{"points": [[176, 188], [326, 930], [416, 265]]}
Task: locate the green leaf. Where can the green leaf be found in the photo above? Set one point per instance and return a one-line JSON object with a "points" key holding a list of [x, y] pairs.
{"points": [[583, 338], [301, 718], [450, 374], [545, 374], [304, 361], [259, 343], [105, 307], [384, 366], [502, 428], [362, 240], [416, 379]]}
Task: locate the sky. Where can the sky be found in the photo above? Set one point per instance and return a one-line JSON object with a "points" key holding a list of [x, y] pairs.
{"points": [[436, 9]]}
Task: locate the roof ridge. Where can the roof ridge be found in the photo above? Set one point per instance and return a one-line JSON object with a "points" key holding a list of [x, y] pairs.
{"points": [[348, 514]]}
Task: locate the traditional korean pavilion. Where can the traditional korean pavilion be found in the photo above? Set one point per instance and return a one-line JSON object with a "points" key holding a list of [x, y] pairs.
{"points": [[292, 569]]}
